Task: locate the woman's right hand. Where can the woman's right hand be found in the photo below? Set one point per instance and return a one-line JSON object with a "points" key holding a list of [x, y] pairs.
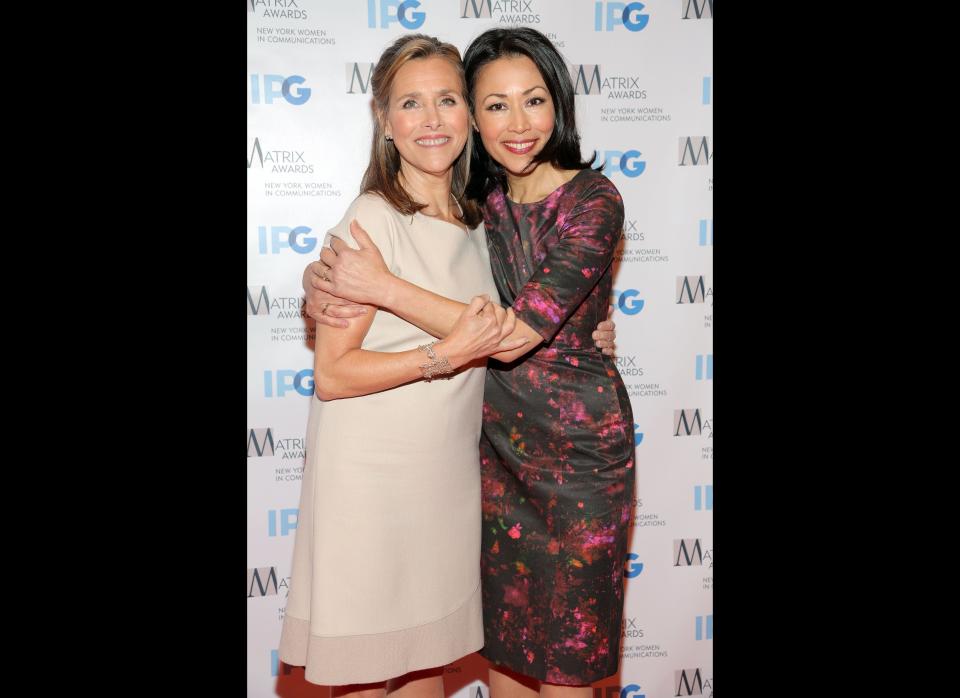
{"points": [[481, 330]]}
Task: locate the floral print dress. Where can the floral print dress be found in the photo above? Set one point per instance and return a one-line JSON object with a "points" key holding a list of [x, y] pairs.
{"points": [[557, 444]]}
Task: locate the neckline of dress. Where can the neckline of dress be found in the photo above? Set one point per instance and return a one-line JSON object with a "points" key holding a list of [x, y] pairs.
{"points": [[553, 193], [465, 229]]}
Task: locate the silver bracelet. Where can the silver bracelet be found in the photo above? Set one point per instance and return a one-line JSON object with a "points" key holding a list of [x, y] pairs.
{"points": [[435, 366]]}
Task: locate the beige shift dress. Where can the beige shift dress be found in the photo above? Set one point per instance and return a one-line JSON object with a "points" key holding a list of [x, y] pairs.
{"points": [[386, 563]]}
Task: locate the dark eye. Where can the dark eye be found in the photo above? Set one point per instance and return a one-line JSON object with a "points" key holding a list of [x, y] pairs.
{"points": [[496, 106], [536, 101]]}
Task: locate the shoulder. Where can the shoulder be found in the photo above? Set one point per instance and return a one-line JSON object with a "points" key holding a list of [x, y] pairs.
{"points": [[374, 207], [374, 210], [377, 217], [592, 185]]}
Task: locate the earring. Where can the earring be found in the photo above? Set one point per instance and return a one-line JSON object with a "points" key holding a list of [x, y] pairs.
{"points": [[389, 138]]}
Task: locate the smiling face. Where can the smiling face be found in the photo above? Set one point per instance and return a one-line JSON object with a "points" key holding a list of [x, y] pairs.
{"points": [[427, 115], [514, 112]]}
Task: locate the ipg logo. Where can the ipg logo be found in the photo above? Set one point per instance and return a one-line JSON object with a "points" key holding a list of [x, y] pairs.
{"points": [[687, 552], [288, 521], [637, 435], [687, 423], [631, 690], [260, 443], [404, 14], [704, 622], [626, 301], [619, 14], [586, 79], [704, 367], [689, 683], [359, 76], [276, 664], [261, 581], [279, 383], [272, 86], [626, 162], [282, 237], [703, 498], [695, 151], [697, 9], [632, 569], [706, 232]]}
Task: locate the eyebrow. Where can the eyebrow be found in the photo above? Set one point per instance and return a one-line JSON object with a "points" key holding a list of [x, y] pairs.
{"points": [[440, 91], [525, 92]]}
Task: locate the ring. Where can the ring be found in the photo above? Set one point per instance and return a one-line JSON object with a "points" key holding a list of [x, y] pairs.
{"points": [[323, 310], [325, 277]]}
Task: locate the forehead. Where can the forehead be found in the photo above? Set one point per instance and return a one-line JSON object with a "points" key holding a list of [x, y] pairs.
{"points": [[516, 70], [426, 75]]}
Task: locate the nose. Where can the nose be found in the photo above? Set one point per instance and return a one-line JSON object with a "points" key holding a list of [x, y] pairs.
{"points": [[519, 122], [431, 116]]}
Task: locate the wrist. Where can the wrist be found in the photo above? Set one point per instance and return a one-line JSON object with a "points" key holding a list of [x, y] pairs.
{"points": [[391, 289], [437, 363], [452, 352]]}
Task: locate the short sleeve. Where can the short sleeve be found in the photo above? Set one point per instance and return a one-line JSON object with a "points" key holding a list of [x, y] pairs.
{"points": [[377, 217]]}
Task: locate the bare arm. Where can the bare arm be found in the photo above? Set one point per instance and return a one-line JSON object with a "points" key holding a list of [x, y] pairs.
{"points": [[437, 315], [342, 369], [362, 276], [323, 307]]}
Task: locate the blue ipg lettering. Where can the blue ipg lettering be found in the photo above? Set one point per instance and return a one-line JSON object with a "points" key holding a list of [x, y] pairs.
{"points": [[619, 14], [288, 381], [278, 86], [404, 14], [627, 162], [278, 237]]}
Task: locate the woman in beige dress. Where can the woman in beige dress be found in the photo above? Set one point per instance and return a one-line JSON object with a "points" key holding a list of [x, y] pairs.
{"points": [[386, 576]]}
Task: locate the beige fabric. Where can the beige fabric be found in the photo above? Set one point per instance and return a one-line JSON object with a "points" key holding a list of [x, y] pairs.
{"points": [[386, 567], [339, 661]]}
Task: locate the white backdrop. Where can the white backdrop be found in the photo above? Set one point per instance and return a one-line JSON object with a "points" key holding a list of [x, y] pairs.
{"points": [[645, 104]]}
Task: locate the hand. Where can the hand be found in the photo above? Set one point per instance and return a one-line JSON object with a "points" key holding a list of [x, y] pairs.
{"points": [[605, 336], [479, 332], [326, 309], [360, 276]]}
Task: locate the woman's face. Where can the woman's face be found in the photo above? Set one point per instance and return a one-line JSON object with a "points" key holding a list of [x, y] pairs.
{"points": [[514, 111], [427, 115]]}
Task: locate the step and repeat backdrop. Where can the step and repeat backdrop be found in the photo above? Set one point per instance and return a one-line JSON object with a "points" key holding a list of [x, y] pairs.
{"points": [[643, 76]]}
